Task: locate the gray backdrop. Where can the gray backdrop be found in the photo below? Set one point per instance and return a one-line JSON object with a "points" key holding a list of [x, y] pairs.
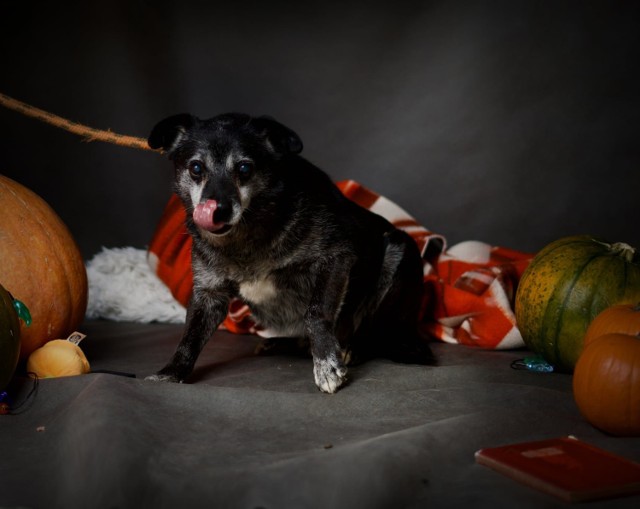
{"points": [[510, 122]]}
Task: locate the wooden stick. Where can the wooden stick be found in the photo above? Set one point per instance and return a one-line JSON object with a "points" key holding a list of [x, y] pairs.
{"points": [[89, 133]]}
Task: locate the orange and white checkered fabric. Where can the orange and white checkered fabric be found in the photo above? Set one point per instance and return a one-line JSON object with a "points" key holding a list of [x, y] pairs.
{"points": [[469, 288]]}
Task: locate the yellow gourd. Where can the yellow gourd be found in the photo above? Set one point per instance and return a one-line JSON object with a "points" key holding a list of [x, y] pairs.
{"points": [[59, 357]]}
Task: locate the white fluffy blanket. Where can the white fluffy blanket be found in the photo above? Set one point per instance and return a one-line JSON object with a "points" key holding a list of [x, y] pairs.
{"points": [[123, 287]]}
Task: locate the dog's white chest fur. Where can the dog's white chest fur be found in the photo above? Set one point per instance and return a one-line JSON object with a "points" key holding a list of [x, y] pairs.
{"points": [[258, 291]]}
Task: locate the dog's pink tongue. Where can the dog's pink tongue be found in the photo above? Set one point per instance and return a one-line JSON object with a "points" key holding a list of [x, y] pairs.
{"points": [[203, 215]]}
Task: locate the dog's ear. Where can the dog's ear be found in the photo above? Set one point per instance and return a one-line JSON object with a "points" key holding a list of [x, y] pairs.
{"points": [[168, 132], [281, 138]]}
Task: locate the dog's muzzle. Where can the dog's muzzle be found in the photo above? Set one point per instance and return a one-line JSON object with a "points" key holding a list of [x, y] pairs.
{"points": [[204, 217]]}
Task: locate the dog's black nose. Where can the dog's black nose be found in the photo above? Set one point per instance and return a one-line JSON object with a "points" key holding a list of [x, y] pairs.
{"points": [[223, 212]]}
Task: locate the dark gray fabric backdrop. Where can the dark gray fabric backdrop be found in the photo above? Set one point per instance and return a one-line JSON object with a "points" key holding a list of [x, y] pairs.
{"points": [[507, 121]]}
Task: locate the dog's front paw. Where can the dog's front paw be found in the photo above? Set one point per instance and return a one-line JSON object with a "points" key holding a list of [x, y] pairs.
{"points": [[330, 374], [159, 377]]}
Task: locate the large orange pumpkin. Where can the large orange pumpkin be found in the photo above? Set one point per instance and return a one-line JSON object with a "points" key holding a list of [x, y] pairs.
{"points": [[567, 284], [623, 318], [606, 384], [41, 265]]}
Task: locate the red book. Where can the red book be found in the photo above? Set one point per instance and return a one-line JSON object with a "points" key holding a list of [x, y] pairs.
{"points": [[565, 467]]}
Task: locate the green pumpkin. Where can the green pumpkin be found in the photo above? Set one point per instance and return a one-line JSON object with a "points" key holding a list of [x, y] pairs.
{"points": [[567, 284], [9, 338]]}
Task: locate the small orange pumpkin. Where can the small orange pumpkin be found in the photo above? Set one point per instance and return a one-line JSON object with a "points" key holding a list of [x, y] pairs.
{"points": [[606, 384], [41, 266], [622, 318]]}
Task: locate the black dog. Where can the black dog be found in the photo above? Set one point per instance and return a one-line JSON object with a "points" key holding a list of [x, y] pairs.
{"points": [[272, 229]]}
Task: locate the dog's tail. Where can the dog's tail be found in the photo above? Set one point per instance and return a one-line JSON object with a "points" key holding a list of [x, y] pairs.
{"points": [[398, 344], [403, 344]]}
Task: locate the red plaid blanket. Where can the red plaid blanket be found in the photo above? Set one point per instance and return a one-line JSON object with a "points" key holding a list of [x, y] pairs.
{"points": [[469, 288]]}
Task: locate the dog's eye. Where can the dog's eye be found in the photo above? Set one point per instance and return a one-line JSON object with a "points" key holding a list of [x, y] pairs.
{"points": [[245, 169], [196, 170]]}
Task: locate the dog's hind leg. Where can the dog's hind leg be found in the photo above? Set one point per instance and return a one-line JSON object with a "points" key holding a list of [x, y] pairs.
{"points": [[394, 326]]}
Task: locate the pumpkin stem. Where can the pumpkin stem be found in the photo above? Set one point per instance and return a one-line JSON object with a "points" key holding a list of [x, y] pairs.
{"points": [[624, 250]]}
